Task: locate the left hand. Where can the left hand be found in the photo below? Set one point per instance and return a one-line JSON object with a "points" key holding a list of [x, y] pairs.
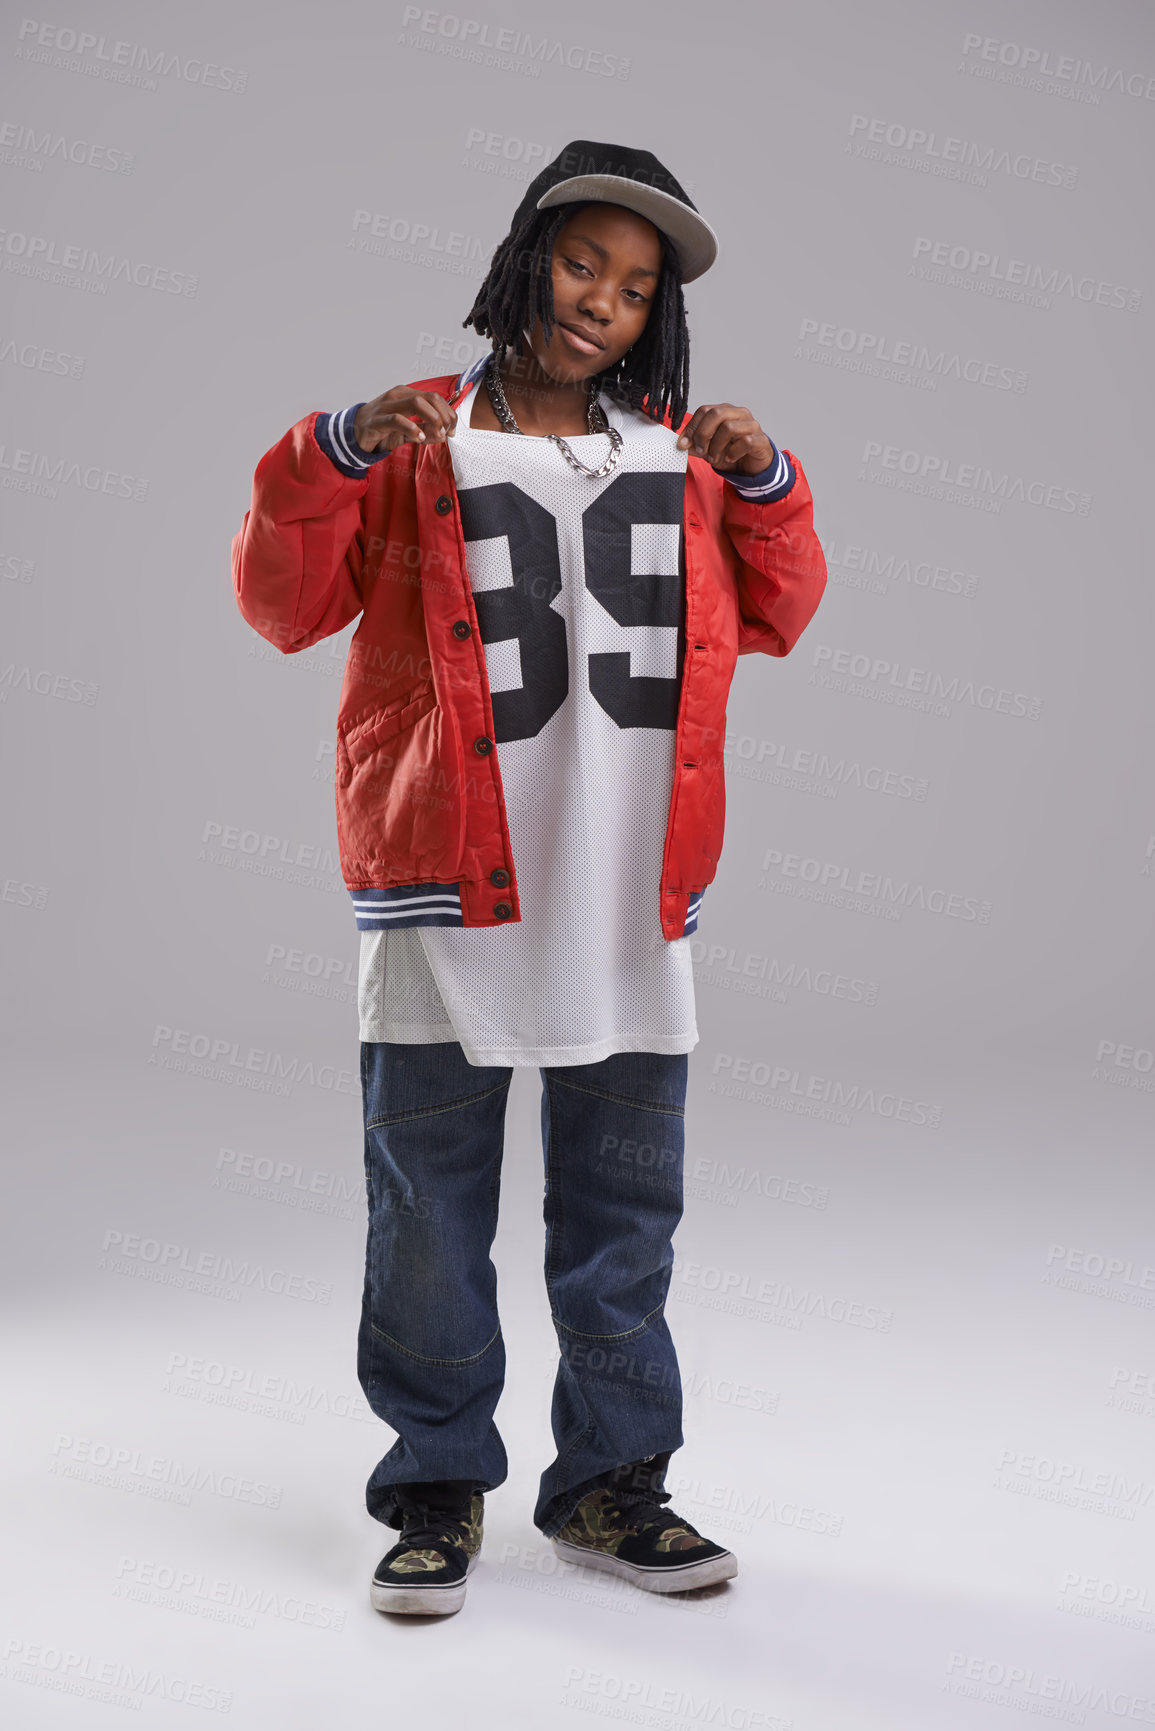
{"points": [[729, 438]]}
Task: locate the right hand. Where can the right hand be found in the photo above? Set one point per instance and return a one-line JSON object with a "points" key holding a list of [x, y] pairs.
{"points": [[403, 416]]}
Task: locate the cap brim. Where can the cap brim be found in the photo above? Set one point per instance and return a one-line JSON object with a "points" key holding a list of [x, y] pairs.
{"points": [[692, 238]]}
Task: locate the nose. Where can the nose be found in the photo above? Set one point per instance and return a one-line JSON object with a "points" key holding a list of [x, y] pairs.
{"points": [[596, 302]]}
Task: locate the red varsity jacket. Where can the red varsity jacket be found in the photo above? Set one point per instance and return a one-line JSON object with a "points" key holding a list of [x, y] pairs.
{"points": [[421, 819]]}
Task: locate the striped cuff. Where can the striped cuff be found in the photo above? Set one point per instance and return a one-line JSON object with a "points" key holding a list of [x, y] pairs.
{"points": [[771, 484], [427, 904], [334, 434]]}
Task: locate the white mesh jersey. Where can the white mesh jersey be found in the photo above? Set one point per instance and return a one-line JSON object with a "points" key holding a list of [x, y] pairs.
{"points": [[579, 587]]}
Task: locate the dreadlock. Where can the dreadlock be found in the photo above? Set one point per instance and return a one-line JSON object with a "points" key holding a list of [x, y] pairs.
{"points": [[518, 289]]}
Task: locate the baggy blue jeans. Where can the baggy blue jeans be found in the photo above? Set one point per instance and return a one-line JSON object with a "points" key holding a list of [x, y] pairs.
{"points": [[430, 1352]]}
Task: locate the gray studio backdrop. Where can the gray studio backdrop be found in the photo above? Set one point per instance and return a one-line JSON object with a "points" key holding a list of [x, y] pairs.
{"points": [[916, 1274]]}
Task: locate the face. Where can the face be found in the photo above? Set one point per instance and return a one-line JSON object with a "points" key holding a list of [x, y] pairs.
{"points": [[606, 265]]}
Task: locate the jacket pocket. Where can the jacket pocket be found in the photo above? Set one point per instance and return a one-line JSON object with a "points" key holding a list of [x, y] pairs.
{"points": [[363, 737], [400, 789]]}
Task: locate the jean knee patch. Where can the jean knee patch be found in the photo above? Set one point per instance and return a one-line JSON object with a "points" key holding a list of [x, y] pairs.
{"points": [[438, 1357], [376, 1120], [621, 1338]]}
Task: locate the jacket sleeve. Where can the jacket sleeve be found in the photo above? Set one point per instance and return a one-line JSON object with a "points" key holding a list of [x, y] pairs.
{"points": [[298, 554], [781, 566]]}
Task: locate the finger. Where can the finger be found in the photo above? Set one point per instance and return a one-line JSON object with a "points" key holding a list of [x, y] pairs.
{"points": [[734, 454], [717, 439], [398, 429], [727, 458], [719, 424], [700, 426], [686, 436], [434, 412], [733, 437]]}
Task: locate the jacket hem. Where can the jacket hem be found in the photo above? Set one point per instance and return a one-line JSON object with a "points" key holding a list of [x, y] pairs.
{"points": [[437, 904]]}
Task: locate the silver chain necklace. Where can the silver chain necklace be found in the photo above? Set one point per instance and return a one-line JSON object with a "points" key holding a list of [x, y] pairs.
{"points": [[595, 414]]}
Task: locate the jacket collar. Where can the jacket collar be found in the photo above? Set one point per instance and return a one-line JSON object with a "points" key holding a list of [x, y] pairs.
{"points": [[468, 378]]}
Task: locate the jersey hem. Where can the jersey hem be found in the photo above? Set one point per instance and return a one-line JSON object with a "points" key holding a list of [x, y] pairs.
{"points": [[558, 1057], [406, 1034]]}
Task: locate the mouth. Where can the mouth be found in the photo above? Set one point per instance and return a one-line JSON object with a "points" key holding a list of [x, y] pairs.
{"points": [[583, 341]]}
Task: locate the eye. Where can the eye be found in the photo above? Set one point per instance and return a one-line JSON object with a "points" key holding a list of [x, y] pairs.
{"points": [[577, 265]]}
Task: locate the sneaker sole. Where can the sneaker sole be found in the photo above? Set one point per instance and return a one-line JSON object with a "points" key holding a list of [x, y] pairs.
{"points": [[421, 1601], [666, 1578]]}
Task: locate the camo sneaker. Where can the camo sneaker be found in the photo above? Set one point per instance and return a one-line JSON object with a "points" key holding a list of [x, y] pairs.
{"points": [[425, 1572], [621, 1527]]}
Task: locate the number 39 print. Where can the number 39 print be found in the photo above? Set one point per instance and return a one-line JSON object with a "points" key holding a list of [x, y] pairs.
{"points": [[522, 609]]}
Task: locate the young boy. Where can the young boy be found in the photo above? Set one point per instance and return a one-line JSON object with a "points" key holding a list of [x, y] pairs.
{"points": [[556, 567]]}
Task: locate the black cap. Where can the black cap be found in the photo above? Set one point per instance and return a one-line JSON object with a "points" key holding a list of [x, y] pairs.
{"points": [[617, 174]]}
